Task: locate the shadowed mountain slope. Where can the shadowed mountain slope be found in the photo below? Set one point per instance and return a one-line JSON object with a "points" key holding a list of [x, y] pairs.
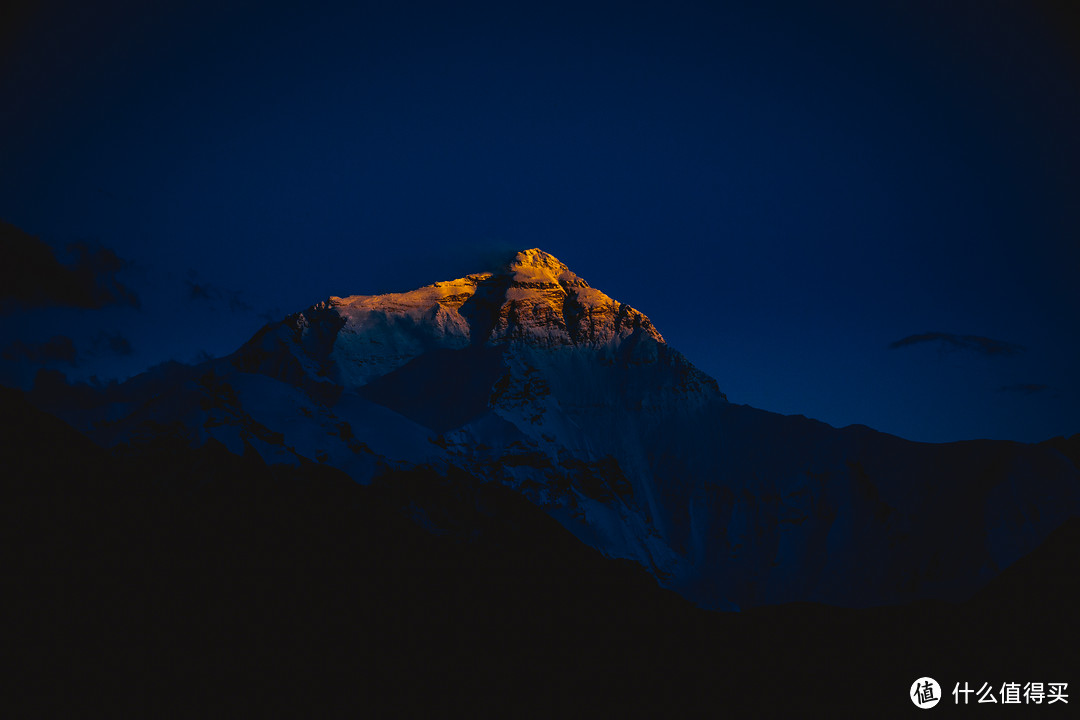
{"points": [[159, 579]]}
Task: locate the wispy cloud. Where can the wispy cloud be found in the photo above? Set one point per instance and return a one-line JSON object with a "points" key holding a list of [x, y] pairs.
{"points": [[946, 342], [32, 275], [57, 349], [200, 290], [1024, 388], [62, 349], [272, 315], [106, 343]]}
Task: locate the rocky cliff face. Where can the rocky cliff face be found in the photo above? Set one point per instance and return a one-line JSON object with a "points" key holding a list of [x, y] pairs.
{"points": [[534, 380]]}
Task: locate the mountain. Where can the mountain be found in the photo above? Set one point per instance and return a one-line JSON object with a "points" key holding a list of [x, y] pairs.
{"points": [[533, 381], [160, 579]]}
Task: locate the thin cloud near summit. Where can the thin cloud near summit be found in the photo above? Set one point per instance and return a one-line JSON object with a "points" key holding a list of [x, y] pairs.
{"points": [[107, 343], [951, 341], [199, 289]]}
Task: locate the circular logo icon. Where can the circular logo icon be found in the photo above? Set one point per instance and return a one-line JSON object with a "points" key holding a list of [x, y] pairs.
{"points": [[925, 693]]}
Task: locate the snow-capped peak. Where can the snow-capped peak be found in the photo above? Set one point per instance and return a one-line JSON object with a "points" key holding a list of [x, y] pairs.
{"points": [[545, 303], [534, 300], [537, 265]]}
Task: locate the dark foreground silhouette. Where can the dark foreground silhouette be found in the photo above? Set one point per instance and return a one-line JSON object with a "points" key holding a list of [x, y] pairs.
{"points": [[161, 580]]}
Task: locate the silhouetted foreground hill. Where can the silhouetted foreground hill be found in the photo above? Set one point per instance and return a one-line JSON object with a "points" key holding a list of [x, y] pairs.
{"points": [[162, 580]]}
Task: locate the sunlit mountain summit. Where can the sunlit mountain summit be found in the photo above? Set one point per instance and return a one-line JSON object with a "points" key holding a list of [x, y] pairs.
{"points": [[535, 301], [532, 379]]}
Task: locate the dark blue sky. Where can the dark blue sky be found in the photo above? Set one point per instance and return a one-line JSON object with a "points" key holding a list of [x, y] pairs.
{"points": [[785, 190]]}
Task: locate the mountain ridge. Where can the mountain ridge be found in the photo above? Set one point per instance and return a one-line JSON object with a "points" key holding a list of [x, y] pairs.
{"points": [[532, 379]]}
